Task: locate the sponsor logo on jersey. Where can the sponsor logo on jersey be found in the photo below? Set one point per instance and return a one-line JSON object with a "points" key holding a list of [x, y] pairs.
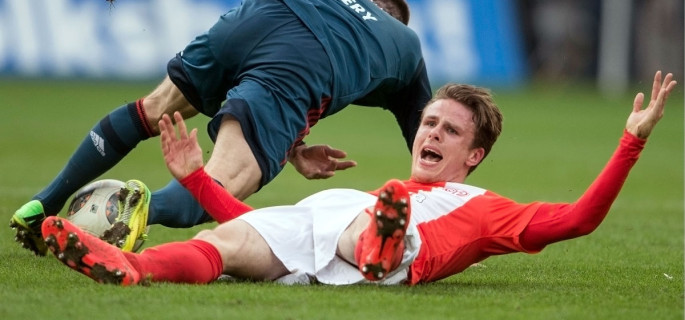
{"points": [[457, 192]]}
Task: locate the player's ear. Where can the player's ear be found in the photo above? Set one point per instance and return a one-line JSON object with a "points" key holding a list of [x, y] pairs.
{"points": [[475, 156]]}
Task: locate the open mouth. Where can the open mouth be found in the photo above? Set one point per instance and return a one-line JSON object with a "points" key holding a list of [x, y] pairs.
{"points": [[429, 154]]}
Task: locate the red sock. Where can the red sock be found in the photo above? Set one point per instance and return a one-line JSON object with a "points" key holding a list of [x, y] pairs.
{"points": [[193, 261]]}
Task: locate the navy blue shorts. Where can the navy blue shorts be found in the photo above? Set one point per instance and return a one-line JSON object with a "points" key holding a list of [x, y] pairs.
{"points": [[260, 64]]}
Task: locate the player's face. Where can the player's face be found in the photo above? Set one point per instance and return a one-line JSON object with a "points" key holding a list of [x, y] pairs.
{"points": [[442, 148]]}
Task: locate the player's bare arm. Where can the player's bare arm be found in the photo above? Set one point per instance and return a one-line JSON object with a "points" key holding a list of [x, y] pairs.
{"points": [[641, 121]]}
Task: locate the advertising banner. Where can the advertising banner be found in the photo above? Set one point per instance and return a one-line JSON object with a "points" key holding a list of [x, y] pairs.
{"points": [[463, 40]]}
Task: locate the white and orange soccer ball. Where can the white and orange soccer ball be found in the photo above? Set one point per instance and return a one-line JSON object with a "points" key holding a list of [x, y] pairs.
{"points": [[95, 208]]}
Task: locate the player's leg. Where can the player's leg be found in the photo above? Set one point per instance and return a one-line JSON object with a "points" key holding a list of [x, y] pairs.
{"points": [[135, 197], [350, 237], [375, 240], [232, 162], [109, 141], [174, 195], [193, 261], [244, 252], [234, 248]]}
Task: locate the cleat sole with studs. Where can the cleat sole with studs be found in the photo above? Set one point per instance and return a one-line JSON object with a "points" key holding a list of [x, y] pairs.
{"points": [[87, 254], [388, 226]]}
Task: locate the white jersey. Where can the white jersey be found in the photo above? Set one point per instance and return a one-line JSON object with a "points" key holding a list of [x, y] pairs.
{"points": [[305, 236]]}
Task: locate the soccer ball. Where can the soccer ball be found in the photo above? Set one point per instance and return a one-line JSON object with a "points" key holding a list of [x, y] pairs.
{"points": [[95, 208]]}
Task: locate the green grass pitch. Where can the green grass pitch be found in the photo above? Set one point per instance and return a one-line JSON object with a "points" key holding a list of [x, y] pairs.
{"points": [[555, 140]]}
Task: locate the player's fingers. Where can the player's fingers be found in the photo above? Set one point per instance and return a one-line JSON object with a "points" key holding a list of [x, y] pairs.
{"points": [[637, 103], [182, 130], [656, 85], [163, 131], [193, 136], [336, 153], [161, 123], [162, 137], [667, 80], [165, 146], [670, 88], [168, 127], [666, 88], [342, 165], [669, 84], [661, 101]]}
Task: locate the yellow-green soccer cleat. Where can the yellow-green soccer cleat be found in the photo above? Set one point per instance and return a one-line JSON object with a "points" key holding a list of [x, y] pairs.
{"points": [[27, 221], [128, 231]]}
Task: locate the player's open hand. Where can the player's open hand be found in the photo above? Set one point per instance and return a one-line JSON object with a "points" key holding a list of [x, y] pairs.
{"points": [[641, 121], [319, 161], [182, 153]]}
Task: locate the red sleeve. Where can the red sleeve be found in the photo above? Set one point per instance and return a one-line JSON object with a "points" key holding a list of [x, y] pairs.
{"points": [[557, 222], [218, 202]]}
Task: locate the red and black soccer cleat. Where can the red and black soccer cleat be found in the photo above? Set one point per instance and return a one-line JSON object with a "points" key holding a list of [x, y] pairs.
{"points": [[380, 247], [87, 254]]}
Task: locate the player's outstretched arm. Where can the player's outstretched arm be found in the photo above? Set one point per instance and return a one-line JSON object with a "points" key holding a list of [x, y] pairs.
{"points": [[557, 222], [182, 153], [641, 121]]}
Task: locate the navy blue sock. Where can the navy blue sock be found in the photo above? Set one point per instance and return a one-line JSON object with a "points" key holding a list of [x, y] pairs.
{"points": [[105, 145], [173, 206]]}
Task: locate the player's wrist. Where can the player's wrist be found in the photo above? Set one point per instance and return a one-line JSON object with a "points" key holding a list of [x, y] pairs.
{"points": [[296, 150], [194, 175]]}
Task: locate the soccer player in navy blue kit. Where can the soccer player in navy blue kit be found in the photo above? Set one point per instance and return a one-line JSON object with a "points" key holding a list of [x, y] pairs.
{"points": [[264, 74]]}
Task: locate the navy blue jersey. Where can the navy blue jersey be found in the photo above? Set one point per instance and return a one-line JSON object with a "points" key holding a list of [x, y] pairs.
{"points": [[278, 66], [376, 60]]}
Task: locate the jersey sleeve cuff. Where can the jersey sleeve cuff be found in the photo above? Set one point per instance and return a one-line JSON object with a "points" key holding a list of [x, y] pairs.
{"points": [[194, 176]]}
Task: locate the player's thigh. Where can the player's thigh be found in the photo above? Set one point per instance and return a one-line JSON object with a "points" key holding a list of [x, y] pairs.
{"points": [[244, 252], [349, 238], [233, 162], [166, 98]]}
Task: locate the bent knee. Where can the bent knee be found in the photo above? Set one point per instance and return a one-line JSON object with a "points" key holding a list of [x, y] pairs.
{"points": [[166, 98], [227, 237]]}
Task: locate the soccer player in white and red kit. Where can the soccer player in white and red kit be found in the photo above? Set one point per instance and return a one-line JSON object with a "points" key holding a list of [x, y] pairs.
{"points": [[438, 226]]}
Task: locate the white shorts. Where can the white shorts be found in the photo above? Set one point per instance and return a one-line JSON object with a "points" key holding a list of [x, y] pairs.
{"points": [[305, 237]]}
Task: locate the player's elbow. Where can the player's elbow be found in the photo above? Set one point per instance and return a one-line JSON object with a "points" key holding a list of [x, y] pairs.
{"points": [[583, 228]]}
